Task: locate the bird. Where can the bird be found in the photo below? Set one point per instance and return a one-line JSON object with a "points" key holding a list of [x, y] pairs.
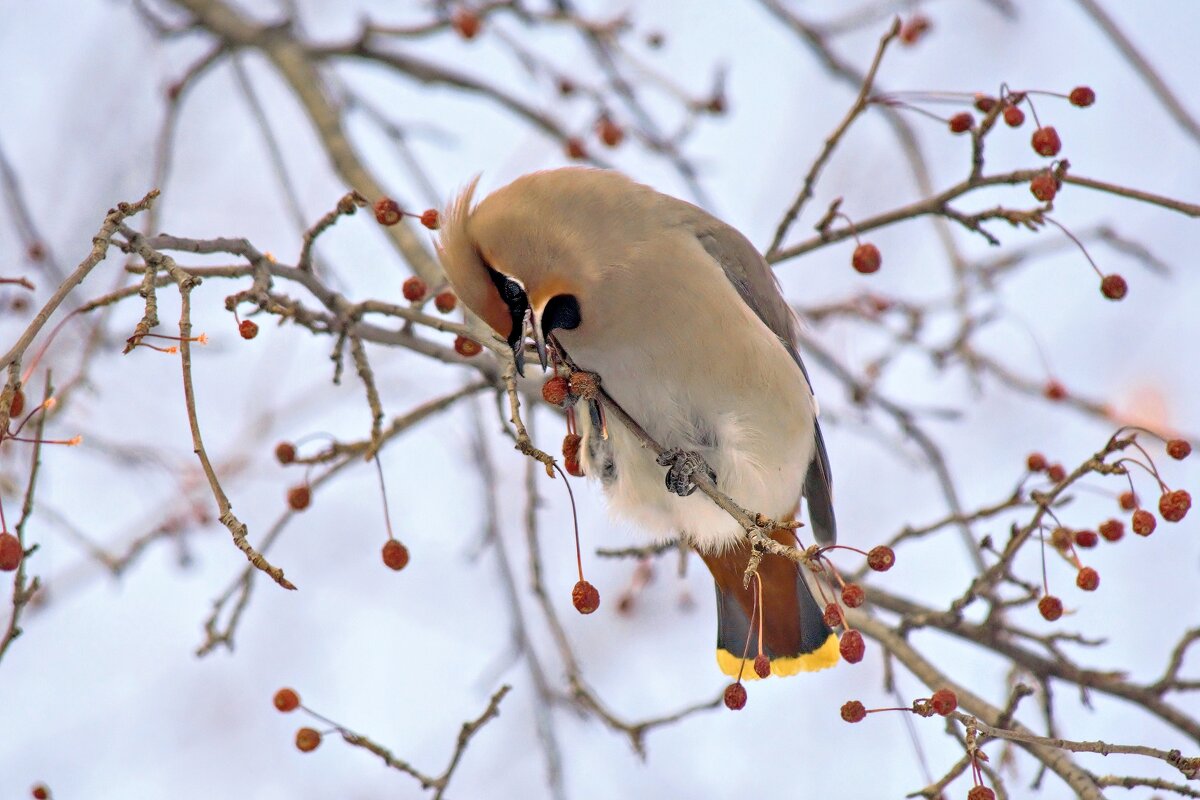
{"points": [[685, 324]]}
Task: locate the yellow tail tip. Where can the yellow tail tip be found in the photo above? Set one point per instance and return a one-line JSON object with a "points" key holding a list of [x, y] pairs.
{"points": [[823, 657]]}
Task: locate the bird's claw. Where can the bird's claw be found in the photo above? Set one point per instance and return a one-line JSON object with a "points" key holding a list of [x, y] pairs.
{"points": [[683, 465]]}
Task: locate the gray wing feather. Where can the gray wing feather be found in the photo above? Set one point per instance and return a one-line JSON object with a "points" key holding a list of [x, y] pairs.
{"points": [[757, 285]]}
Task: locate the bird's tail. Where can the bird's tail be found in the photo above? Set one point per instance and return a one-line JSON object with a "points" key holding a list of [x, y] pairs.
{"points": [[795, 637]]}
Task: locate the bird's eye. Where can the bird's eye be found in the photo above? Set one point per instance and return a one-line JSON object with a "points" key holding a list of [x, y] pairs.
{"points": [[561, 313]]}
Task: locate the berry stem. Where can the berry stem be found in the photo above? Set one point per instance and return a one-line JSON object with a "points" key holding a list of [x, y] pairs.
{"points": [[574, 520], [387, 517], [1075, 239]]}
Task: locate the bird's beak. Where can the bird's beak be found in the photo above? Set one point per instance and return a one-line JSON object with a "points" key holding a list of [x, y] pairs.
{"points": [[539, 341], [516, 340]]}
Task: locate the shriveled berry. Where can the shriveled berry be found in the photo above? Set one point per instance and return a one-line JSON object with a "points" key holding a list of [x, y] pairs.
{"points": [[1086, 539], [716, 104], [466, 347], [573, 467], [17, 404], [881, 558], [1050, 607], [40, 792], [609, 132], [866, 258], [1178, 449], [11, 552], [1087, 579], [299, 497], [1044, 186], [1056, 472], [1061, 538], [1174, 505], [1082, 96], [431, 219], [584, 384], [395, 555], [735, 696], [852, 646], [762, 666], [1114, 287], [1053, 390], [1144, 522], [414, 289], [1035, 462], [387, 211], [1045, 142], [962, 122], [981, 793], [1014, 117], [585, 597], [248, 328], [853, 595], [853, 711], [575, 149], [307, 740], [445, 301], [566, 87], [944, 702], [985, 103], [466, 22], [285, 452], [1128, 501], [832, 615], [1112, 530], [914, 28], [287, 700], [570, 449], [555, 390]]}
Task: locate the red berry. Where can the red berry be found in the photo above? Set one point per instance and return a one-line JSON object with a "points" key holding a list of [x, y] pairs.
{"points": [[852, 646], [1144, 522], [570, 449], [1044, 186], [575, 149], [1087, 579], [466, 22], [307, 740], [17, 404], [735, 696], [866, 258], [1112, 530], [1050, 607], [555, 390], [1178, 449], [944, 702], [1045, 142], [445, 301], [1053, 390], [1014, 117], [1128, 501], [914, 28], [985, 103], [1082, 96], [962, 122], [762, 666], [431, 219], [11, 552], [585, 597], [395, 555], [40, 792], [853, 711], [285, 452], [609, 132], [299, 497], [387, 211], [573, 466], [1086, 539], [467, 348], [248, 328], [287, 700], [1113, 286], [1174, 505], [1056, 473], [832, 615], [414, 289], [881, 558], [853, 595], [981, 793], [1035, 462]]}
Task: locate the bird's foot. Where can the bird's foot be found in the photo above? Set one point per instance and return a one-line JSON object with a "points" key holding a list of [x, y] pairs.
{"points": [[683, 465]]}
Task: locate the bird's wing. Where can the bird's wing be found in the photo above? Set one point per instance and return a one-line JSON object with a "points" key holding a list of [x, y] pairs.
{"points": [[757, 285]]}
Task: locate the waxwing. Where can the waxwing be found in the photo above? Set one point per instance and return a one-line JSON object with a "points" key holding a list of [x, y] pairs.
{"points": [[684, 322]]}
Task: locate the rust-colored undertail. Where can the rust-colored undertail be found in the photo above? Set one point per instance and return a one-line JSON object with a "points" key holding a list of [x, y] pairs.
{"points": [[795, 636]]}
